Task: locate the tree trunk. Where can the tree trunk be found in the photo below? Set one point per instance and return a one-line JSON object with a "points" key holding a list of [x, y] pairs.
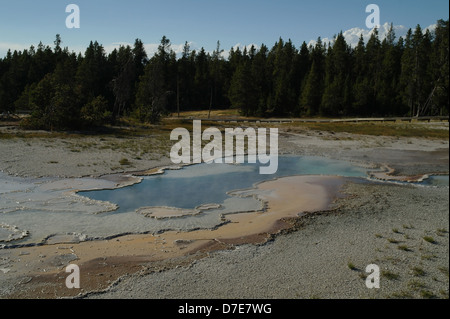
{"points": [[210, 103], [178, 97]]}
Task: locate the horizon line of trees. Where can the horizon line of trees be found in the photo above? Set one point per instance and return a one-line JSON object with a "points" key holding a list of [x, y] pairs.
{"points": [[389, 77]]}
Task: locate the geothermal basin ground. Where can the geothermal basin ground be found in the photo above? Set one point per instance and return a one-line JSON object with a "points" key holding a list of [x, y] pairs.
{"points": [[297, 236]]}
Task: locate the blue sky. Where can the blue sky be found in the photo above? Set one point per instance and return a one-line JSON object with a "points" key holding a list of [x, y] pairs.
{"points": [[201, 22]]}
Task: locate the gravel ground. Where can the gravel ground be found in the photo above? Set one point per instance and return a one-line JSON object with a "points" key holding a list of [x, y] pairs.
{"points": [[380, 224]]}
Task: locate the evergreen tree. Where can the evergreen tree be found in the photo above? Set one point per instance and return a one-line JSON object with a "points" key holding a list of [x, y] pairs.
{"points": [[311, 96], [95, 113], [389, 76], [373, 60], [415, 80], [5, 92], [260, 80], [202, 80], [129, 67], [55, 105], [424, 79], [438, 99], [282, 100], [303, 65], [43, 62], [140, 57], [123, 88], [123, 83], [421, 47], [217, 81], [406, 78], [93, 75], [336, 99], [24, 100], [185, 78], [361, 86], [156, 85], [14, 80], [242, 91]]}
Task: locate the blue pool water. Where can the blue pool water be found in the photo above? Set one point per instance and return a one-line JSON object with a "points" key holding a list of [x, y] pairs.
{"points": [[437, 180], [209, 183]]}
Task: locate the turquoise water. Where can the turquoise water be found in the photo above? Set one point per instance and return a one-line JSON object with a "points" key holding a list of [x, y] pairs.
{"points": [[209, 183], [437, 180]]}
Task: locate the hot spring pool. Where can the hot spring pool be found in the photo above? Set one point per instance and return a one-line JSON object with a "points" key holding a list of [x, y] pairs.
{"points": [[209, 183], [34, 211]]}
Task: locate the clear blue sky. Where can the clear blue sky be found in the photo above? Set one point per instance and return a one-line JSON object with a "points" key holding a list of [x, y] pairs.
{"points": [[26, 22]]}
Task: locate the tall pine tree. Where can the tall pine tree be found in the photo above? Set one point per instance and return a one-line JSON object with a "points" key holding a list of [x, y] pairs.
{"points": [[336, 97], [311, 97]]}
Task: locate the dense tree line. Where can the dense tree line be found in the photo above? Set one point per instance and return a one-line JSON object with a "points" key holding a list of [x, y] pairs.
{"points": [[402, 77]]}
